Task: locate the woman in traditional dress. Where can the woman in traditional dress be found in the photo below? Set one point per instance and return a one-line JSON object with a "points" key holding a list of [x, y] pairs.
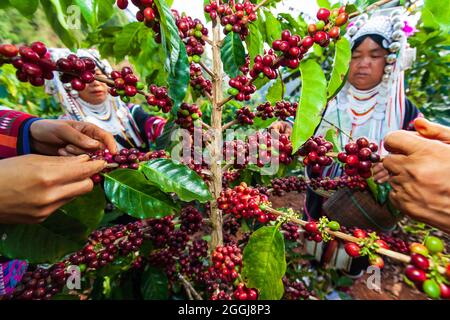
{"points": [[131, 126]]}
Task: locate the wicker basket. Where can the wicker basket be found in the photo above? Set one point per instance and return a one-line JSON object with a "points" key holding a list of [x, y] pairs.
{"points": [[359, 209]]}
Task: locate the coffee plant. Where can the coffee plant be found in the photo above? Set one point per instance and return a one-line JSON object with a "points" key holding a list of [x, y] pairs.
{"points": [[203, 227]]}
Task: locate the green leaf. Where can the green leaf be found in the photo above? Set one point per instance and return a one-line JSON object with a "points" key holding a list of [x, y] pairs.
{"points": [[86, 11], [57, 19], [273, 27], [332, 136], [154, 285], [275, 92], [25, 7], [313, 99], [254, 42], [373, 187], [350, 8], [341, 64], [438, 12], [179, 80], [233, 54], [173, 177], [176, 64], [104, 10], [132, 193], [170, 38], [324, 4], [4, 4], [63, 232], [126, 39], [264, 263]]}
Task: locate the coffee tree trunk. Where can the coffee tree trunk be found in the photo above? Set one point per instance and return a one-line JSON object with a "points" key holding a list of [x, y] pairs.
{"points": [[216, 142]]}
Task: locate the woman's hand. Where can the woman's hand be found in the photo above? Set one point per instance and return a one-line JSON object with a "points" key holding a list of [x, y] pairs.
{"points": [[68, 138], [33, 186], [380, 174], [281, 127], [420, 177]]}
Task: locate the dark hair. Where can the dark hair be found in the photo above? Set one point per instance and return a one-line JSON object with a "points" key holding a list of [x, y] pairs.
{"points": [[375, 37]]}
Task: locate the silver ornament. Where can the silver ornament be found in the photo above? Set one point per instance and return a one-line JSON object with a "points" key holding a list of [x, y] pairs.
{"points": [[396, 13], [391, 58], [396, 19], [359, 23], [67, 86], [352, 30], [364, 17], [394, 47], [74, 94], [397, 35], [399, 26], [389, 68], [386, 77]]}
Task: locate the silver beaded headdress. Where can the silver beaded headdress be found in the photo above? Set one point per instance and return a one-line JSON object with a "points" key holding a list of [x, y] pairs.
{"points": [[389, 24]]}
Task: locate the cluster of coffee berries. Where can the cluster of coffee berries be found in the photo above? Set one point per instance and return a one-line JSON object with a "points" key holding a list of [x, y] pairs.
{"points": [[147, 13], [78, 72], [241, 88], [291, 231], [160, 230], [359, 157], [262, 147], [191, 220], [281, 186], [328, 26], [244, 293], [103, 247], [265, 65], [230, 229], [396, 239], [191, 32], [312, 232], [157, 154], [187, 115], [199, 82], [284, 146], [159, 98], [292, 48], [315, 156], [125, 159], [259, 150], [193, 261], [167, 256], [367, 246], [244, 202], [295, 290], [285, 109], [105, 244], [230, 176], [226, 263], [235, 17], [126, 84], [245, 116], [422, 272], [236, 152], [245, 69], [265, 111], [33, 64], [41, 284], [282, 110]]}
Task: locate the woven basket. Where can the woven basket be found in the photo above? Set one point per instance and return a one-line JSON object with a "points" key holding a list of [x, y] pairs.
{"points": [[359, 209]]}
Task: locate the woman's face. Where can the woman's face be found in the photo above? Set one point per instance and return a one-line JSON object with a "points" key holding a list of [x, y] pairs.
{"points": [[95, 92], [367, 65]]}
